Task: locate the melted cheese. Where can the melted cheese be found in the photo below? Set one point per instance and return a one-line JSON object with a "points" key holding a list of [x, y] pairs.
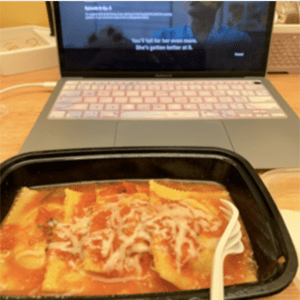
{"points": [[68, 236], [175, 222]]}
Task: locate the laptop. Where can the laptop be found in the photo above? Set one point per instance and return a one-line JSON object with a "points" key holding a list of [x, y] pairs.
{"points": [[167, 73]]}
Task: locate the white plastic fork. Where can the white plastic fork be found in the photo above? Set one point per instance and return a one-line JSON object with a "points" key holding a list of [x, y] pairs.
{"points": [[230, 243]]}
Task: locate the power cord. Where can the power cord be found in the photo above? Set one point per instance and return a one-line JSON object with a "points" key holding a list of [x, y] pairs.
{"points": [[43, 84]]}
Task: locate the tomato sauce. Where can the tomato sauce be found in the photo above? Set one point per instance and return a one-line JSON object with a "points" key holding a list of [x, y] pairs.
{"points": [[124, 237]]}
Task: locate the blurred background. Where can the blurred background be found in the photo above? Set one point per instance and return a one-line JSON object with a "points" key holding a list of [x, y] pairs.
{"points": [[23, 13]]}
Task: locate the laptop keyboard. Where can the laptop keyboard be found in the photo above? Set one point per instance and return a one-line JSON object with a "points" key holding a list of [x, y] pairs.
{"points": [[195, 99]]}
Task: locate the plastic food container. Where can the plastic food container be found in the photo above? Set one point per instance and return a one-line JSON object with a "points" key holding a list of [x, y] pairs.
{"points": [[284, 187], [271, 242]]}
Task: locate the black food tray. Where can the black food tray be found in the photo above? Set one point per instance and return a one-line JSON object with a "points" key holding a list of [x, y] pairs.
{"points": [[270, 239]]}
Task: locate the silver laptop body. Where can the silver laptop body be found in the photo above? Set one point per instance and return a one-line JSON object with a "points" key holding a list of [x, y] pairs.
{"points": [[101, 44]]}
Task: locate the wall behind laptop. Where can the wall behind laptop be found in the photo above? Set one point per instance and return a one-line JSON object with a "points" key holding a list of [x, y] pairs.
{"points": [[23, 13]]}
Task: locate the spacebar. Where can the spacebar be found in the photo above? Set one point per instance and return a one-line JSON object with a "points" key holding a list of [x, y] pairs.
{"points": [[159, 114]]}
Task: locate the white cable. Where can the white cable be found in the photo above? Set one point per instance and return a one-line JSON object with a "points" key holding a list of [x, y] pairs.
{"points": [[43, 84]]}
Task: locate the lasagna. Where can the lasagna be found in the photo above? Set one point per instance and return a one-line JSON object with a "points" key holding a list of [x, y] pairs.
{"points": [[119, 237]]}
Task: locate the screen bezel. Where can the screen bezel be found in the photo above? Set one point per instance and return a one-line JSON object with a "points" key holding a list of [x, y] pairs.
{"points": [[141, 73]]}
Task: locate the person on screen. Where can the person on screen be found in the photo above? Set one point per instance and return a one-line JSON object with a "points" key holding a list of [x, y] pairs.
{"points": [[221, 42]]}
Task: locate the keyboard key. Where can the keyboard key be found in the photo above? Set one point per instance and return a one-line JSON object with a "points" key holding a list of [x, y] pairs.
{"points": [[96, 106], [206, 106], [219, 93], [190, 106], [159, 107], [251, 87], [209, 87], [262, 105], [236, 105], [128, 106], [90, 99], [57, 114], [61, 106], [118, 93], [233, 93], [70, 99], [223, 87], [105, 99], [190, 93], [143, 106], [70, 82], [86, 82], [78, 106], [84, 87], [237, 87], [97, 87], [89, 93], [248, 93], [70, 87], [136, 100], [246, 115], [240, 99], [176, 94], [260, 99], [228, 114], [210, 114], [90, 114], [276, 115], [221, 106], [196, 100], [132, 93], [147, 93], [166, 99], [112, 106], [180, 100], [167, 88], [73, 114], [225, 99], [195, 87], [174, 106], [70, 93], [204, 93], [121, 99], [182, 87], [143, 114], [159, 114], [262, 93], [151, 99], [161, 94], [103, 93], [125, 87], [210, 99], [109, 114], [154, 87], [182, 114], [140, 87]]}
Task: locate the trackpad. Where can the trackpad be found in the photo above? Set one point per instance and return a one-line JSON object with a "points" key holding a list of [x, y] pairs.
{"points": [[172, 133]]}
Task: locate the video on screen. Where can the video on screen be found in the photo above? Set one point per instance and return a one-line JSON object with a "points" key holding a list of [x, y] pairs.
{"points": [[190, 35]]}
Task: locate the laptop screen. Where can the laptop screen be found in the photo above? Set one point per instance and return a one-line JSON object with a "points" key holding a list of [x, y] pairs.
{"points": [[165, 36]]}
